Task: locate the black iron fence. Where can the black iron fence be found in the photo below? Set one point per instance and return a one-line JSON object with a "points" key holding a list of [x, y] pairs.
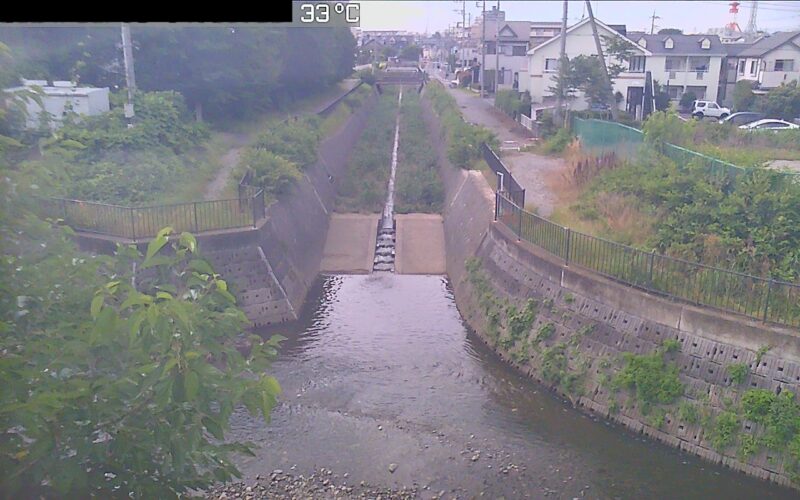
{"points": [[760, 298], [137, 223], [508, 184]]}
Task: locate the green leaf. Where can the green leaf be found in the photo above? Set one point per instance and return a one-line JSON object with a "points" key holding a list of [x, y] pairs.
{"points": [[272, 385], [97, 304], [222, 285], [213, 427], [163, 295], [192, 385], [136, 299], [188, 241], [275, 340], [201, 266], [158, 243]]}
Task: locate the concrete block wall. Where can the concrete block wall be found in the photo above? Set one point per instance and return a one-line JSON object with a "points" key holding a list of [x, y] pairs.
{"points": [[518, 272], [600, 320]]}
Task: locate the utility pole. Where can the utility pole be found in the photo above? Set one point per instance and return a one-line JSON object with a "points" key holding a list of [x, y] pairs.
{"points": [[653, 22], [562, 60], [483, 49], [130, 78], [610, 88], [497, 49]]}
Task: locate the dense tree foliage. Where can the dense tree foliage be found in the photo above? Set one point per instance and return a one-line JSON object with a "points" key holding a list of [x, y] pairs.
{"points": [[226, 70], [115, 384]]}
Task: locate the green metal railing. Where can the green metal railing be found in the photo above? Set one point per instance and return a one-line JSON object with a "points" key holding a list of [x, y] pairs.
{"points": [[135, 223], [752, 296]]}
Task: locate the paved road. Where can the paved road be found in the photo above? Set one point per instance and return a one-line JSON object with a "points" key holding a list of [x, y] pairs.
{"points": [[533, 172]]}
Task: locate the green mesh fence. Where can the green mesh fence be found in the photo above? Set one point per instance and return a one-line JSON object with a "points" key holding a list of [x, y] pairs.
{"points": [[601, 136]]}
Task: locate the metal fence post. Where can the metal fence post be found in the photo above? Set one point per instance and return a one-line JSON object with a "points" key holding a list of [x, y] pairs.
{"points": [[496, 204], [567, 243], [133, 225], [652, 260], [519, 223], [196, 226], [766, 300]]}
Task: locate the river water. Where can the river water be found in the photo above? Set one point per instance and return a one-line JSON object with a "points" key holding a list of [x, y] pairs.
{"points": [[382, 370]]}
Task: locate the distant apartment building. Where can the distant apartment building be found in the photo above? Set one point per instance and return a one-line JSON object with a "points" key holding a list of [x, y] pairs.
{"points": [[683, 63], [59, 99], [771, 61]]}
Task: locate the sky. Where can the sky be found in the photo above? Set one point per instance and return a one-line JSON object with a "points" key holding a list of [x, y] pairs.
{"points": [[690, 16]]}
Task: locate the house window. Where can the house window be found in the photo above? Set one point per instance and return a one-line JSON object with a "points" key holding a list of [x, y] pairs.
{"points": [[753, 67], [674, 64], [699, 92], [674, 92], [699, 64], [705, 44], [784, 64], [636, 64], [668, 43], [550, 65], [506, 50], [741, 67], [490, 47], [518, 50], [642, 43]]}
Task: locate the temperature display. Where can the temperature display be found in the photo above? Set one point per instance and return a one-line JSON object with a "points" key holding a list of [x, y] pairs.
{"points": [[326, 14]]}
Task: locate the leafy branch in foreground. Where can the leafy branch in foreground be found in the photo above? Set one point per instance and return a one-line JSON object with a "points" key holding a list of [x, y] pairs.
{"points": [[132, 394]]}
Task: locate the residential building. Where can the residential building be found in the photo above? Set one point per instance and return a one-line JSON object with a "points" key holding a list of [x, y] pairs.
{"points": [[59, 99], [728, 74], [387, 38], [543, 66], [543, 31], [511, 39], [770, 61], [684, 63]]}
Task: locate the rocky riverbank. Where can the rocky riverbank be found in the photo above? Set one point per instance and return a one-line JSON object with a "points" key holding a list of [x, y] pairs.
{"points": [[321, 484]]}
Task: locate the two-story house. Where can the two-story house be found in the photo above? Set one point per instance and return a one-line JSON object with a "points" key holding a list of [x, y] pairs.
{"points": [[543, 65], [684, 63], [771, 60], [506, 46]]}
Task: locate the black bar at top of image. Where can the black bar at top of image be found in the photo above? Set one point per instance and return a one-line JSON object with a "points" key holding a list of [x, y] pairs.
{"points": [[273, 11]]}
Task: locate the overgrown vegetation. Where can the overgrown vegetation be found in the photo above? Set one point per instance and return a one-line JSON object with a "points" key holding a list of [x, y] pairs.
{"points": [[99, 158], [463, 139], [747, 223], [513, 103], [653, 380], [419, 187], [114, 386], [364, 187]]}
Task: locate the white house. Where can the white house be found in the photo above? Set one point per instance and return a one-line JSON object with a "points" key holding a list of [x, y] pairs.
{"points": [[59, 99], [543, 65], [771, 60], [683, 63]]}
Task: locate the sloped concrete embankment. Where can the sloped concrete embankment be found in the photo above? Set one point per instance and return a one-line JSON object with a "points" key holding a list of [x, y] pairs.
{"points": [[584, 324], [273, 266]]}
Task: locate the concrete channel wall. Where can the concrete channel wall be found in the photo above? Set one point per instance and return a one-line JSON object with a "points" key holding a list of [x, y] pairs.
{"points": [[596, 321], [271, 267]]}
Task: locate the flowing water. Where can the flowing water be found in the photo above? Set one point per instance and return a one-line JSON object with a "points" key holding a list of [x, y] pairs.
{"points": [[381, 369]]}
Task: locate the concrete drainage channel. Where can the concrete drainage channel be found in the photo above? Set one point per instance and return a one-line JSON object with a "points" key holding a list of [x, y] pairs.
{"points": [[385, 244]]}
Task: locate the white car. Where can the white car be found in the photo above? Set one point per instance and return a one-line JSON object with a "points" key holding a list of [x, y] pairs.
{"points": [[702, 109], [770, 124]]}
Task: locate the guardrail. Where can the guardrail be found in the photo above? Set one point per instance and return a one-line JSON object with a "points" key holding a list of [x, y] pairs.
{"points": [[136, 223], [765, 299]]}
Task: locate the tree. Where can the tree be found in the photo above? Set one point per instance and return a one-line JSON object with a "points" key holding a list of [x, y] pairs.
{"points": [[687, 100], [126, 391], [661, 97], [743, 97], [670, 31], [411, 53], [782, 102]]}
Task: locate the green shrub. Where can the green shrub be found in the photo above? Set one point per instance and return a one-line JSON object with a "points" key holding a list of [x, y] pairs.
{"points": [[687, 412], [724, 431], [272, 172], [558, 142], [554, 363], [653, 380], [738, 372]]}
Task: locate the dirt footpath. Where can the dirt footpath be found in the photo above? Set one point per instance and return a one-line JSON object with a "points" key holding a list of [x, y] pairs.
{"points": [[534, 172]]}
